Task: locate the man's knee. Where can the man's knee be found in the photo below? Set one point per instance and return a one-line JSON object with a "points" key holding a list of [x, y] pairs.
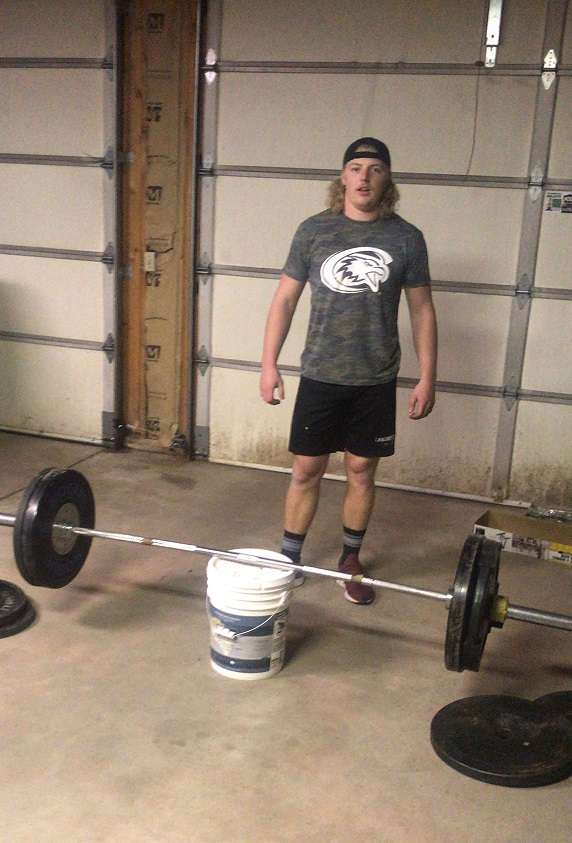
{"points": [[360, 471], [308, 471]]}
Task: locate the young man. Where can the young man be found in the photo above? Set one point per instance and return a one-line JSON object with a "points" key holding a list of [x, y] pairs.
{"points": [[356, 256]]}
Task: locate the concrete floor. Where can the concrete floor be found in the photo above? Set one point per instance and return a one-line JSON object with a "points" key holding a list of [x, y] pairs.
{"points": [[115, 728]]}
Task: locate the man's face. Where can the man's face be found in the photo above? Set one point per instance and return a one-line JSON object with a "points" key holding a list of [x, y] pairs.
{"points": [[364, 180]]}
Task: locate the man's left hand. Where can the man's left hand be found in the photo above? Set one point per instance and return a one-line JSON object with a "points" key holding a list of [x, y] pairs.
{"points": [[422, 400]]}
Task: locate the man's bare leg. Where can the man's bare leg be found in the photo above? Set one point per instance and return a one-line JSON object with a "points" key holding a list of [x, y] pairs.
{"points": [[360, 490], [357, 509], [304, 492], [301, 504]]}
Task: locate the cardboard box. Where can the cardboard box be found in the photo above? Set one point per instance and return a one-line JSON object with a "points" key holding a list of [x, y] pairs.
{"points": [[543, 538]]}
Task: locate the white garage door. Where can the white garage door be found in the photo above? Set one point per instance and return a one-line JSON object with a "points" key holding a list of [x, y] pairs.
{"points": [[58, 218], [479, 136]]}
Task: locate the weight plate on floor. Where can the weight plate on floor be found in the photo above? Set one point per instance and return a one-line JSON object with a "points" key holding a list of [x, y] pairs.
{"points": [[558, 704], [503, 740], [45, 555], [461, 599], [481, 605], [16, 611]]}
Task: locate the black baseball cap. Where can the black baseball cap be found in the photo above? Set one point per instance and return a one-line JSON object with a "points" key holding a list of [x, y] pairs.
{"points": [[377, 149]]}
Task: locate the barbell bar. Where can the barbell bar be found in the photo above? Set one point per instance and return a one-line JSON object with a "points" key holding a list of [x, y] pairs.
{"points": [[55, 524], [512, 611]]}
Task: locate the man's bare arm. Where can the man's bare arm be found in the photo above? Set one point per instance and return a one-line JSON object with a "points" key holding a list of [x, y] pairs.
{"points": [[424, 330], [277, 326]]}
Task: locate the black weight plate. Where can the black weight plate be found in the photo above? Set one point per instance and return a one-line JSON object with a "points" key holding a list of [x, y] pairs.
{"points": [[503, 740], [558, 704], [479, 616], [44, 556], [461, 599], [16, 611]]}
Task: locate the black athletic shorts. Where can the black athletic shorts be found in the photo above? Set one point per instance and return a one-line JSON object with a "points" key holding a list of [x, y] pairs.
{"points": [[331, 417]]}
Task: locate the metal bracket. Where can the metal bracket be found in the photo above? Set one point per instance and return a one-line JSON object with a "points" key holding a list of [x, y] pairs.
{"points": [[108, 257], [179, 444], [108, 162], [536, 183], [211, 62], [204, 274], [493, 32], [109, 348], [549, 69], [202, 360], [201, 441], [523, 290], [510, 395]]}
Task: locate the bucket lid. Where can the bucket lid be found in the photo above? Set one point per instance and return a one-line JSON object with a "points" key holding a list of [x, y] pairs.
{"points": [[250, 577]]}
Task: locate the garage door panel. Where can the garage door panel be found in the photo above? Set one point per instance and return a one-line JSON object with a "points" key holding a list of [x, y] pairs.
{"points": [[472, 234], [52, 298], [548, 358], [452, 450], [53, 207], [444, 108], [560, 164], [522, 31], [70, 29], [567, 44], [477, 325], [429, 30], [542, 475], [43, 390], [554, 263], [52, 118], [240, 307], [472, 338], [244, 429]]}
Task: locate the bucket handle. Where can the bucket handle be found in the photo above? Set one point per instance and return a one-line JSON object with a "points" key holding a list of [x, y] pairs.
{"points": [[233, 636]]}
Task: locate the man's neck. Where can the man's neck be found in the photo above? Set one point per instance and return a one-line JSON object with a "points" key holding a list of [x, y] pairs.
{"points": [[360, 216]]}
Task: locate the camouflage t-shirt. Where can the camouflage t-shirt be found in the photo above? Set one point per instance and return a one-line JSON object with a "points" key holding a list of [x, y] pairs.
{"points": [[356, 271]]}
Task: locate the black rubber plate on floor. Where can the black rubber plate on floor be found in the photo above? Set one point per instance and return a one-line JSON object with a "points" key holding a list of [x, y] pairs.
{"points": [[16, 611], [558, 704], [503, 740]]}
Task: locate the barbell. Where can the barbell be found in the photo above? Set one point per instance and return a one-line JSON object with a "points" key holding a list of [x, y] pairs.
{"points": [[55, 524]]}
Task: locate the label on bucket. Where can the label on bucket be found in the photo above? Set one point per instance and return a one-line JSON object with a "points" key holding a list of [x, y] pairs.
{"points": [[253, 648]]}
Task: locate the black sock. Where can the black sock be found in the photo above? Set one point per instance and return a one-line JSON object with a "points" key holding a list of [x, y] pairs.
{"points": [[292, 545], [352, 542]]}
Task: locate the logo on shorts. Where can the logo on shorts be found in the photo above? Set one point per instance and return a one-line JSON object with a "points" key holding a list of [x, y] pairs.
{"points": [[356, 270]]}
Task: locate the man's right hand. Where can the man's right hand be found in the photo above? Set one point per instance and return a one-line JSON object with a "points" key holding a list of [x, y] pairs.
{"points": [[270, 384]]}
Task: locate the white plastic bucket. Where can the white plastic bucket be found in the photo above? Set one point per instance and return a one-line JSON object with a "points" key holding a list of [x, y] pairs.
{"points": [[247, 607]]}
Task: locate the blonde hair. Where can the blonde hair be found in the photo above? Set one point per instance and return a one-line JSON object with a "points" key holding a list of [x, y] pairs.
{"points": [[387, 203]]}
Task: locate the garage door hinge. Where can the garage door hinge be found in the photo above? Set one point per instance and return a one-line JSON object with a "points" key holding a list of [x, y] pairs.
{"points": [[204, 273], [549, 69], [109, 348], [523, 290], [108, 257], [211, 63], [202, 360], [108, 162], [510, 395]]}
